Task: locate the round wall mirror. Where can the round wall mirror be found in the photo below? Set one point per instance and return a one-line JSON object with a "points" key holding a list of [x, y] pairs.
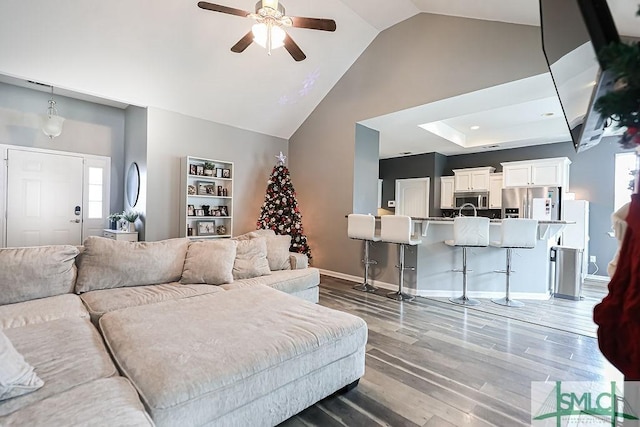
{"points": [[133, 184]]}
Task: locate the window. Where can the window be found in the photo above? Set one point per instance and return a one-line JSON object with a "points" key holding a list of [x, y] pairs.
{"points": [[95, 193], [625, 164]]}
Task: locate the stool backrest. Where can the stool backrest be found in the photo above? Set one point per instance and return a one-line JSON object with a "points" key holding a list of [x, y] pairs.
{"points": [[519, 232], [471, 231], [395, 228], [361, 226]]}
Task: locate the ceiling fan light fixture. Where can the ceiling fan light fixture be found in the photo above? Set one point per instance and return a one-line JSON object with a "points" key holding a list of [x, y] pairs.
{"points": [[52, 122], [273, 4], [261, 35]]}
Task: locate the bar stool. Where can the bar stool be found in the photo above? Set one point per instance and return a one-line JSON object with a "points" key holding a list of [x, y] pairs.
{"points": [[363, 227], [397, 229], [515, 233], [468, 231]]}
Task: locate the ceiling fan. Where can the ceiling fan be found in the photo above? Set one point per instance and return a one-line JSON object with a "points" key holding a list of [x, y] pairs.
{"points": [[268, 31]]}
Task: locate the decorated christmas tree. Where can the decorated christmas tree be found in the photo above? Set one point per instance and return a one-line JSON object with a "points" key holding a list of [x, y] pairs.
{"points": [[280, 211]]}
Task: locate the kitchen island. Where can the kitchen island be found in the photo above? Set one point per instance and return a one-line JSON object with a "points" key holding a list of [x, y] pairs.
{"points": [[434, 262]]}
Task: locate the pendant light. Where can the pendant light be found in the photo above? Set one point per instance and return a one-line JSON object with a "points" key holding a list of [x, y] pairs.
{"points": [[52, 122]]}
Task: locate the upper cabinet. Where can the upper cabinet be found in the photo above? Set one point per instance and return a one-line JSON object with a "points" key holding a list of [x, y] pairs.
{"points": [[545, 172], [446, 192], [472, 179], [495, 191]]}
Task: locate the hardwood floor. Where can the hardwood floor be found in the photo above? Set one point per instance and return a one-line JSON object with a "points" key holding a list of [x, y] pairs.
{"points": [[432, 363]]}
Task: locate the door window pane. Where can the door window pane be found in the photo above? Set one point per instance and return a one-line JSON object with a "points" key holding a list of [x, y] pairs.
{"points": [[95, 190]]}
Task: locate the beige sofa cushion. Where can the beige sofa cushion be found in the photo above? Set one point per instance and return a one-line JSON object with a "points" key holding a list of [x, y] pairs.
{"points": [[107, 264], [285, 340], [209, 262], [103, 402], [288, 281], [37, 272], [105, 300], [65, 354], [277, 247], [251, 259], [42, 310], [17, 377]]}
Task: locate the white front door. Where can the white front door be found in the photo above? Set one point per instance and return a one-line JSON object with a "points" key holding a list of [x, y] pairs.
{"points": [[412, 197], [44, 199]]}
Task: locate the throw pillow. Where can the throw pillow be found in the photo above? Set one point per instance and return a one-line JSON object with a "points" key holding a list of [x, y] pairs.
{"points": [[278, 252], [17, 377], [251, 259], [107, 264], [209, 262]]}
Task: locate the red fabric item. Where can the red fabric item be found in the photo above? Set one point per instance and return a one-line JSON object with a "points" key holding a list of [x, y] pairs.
{"points": [[618, 315]]}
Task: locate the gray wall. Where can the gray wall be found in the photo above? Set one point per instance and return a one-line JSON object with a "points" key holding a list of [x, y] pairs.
{"points": [[365, 190], [421, 60], [172, 136], [135, 150], [88, 129], [591, 178]]}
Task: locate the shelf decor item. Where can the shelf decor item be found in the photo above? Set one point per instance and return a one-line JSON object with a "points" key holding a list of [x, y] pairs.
{"points": [[209, 168], [206, 228], [114, 218]]}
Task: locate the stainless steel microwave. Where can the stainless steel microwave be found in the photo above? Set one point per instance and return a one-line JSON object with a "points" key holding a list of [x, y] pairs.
{"points": [[478, 199]]}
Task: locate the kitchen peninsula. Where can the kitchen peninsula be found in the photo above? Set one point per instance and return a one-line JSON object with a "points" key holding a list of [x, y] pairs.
{"points": [[434, 262]]}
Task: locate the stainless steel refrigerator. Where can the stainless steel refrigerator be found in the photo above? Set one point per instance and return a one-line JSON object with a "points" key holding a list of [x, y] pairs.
{"points": [[541, 203]]}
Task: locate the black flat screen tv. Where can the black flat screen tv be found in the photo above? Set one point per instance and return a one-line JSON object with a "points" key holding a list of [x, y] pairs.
{"points": [[573, 31]]}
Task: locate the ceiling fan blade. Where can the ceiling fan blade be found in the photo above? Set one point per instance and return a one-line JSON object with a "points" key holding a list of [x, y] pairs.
{"points": [[243, 43], [313, 23], [223, 9], [293, 49]]}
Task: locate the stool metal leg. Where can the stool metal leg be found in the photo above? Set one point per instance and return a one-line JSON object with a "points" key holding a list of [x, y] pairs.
{"points": [[464, 300], [399, 295], [507, 301], [365, 286]]}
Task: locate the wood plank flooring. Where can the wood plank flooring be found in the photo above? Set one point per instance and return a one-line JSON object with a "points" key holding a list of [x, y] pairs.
{"points": [[432, 363]]}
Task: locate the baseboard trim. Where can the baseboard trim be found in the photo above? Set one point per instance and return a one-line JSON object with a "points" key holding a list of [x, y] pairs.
{"points": [[437, 294], [599, 279]]}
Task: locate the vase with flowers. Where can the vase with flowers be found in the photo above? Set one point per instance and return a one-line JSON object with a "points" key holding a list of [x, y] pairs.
{"points": [[130, 217]]}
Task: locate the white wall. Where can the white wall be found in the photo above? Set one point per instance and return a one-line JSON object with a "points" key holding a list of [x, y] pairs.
{"points": [[89, 129], [172, 136]]}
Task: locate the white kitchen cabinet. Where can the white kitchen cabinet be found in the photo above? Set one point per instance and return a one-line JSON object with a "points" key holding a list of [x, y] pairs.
{"points": [[552, 172], [446, 192], [472, 179], [495, 191]]}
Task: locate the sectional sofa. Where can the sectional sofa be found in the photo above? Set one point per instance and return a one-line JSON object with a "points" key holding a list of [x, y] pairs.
{"points": [[175, 332]]}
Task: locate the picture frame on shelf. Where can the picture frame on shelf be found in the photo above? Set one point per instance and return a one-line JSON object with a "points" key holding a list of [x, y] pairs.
{"points": [[199, 212], [191, 210], [206, 228], [199, 169], [223, 211], [218, 172], [226, 173], [193, 169], [206, 189], [191, 190]]}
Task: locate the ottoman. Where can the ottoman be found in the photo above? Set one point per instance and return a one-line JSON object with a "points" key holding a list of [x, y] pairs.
{"points": [[251, 357]]}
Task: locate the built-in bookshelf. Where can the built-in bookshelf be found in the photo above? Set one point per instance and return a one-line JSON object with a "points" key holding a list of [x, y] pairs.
{"points": [[206, 211]]}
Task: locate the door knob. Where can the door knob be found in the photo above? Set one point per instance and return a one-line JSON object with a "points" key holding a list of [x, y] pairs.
{"points": [[77, 221]]}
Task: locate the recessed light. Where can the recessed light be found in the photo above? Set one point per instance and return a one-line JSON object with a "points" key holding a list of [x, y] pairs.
{"points": [[548, 114], [474, 127]]}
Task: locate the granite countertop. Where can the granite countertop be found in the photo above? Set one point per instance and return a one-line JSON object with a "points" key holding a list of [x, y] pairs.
{"points": [[495, 221]]}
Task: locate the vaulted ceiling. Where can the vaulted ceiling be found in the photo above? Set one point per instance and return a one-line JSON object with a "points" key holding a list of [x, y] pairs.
{"points": [[172, 55]]}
